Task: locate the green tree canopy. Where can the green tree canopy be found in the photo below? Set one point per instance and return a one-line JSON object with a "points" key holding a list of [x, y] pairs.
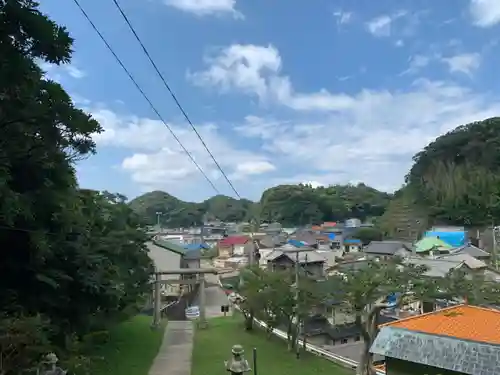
{"points": [[290, 205], [456, 178], [72, 260]]}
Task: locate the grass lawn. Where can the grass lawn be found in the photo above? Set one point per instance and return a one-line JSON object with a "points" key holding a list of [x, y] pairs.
{"points": [[131, 349], [213, 346]]}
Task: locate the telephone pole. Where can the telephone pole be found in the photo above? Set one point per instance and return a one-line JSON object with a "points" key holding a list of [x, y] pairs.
{"points": [[494, 252], [297, 296], [158, 214]]}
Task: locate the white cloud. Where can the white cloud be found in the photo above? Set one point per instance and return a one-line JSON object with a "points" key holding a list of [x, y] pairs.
{"points": [[381, 25], [416, 63], [256, 70], [369, 136], [342, 17], [57, 72], [314, 184], [74, 72], [465, 63], [485, 13], [155, 160], [206, 7]]}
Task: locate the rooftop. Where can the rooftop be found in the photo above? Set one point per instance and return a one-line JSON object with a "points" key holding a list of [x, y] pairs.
{"points": [[234, 240], [386, 247], [463, 322]]}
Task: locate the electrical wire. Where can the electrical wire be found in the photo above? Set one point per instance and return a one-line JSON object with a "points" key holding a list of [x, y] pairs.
{"points": [[172, 94], [144, 95]]}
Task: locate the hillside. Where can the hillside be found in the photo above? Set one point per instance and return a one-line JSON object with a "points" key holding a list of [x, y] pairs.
{"points": [[178, 213], [289, 204]]}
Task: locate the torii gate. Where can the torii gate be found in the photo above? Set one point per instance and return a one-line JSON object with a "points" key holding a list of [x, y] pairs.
{"points": [[200, 279]]}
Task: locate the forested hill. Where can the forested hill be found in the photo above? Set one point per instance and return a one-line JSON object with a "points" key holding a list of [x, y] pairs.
{"points": [[289, 204]]}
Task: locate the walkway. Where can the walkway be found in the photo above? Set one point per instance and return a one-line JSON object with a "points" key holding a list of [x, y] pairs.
{"points": [[174, 356]]}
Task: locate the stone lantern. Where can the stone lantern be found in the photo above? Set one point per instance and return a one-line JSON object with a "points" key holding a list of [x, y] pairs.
{"points": [[237, 365], [50, 362]]}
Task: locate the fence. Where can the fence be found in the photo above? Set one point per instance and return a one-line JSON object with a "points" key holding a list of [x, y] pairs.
{"points": [[343, 361]]}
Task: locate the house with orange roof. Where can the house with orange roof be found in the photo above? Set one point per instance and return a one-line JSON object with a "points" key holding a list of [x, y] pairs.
{"points": [[462, 339]]}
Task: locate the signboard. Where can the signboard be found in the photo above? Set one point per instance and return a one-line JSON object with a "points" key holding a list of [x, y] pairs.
{"points": [[192, 312]]}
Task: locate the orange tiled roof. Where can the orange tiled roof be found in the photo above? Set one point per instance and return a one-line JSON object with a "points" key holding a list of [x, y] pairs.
{"points": [[329, 224], [316, 227], [463, 322]]}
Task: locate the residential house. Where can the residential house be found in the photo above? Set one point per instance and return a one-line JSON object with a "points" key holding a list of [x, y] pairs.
{"points": [[273, 229], [289, 231], [232, 246], [353, 223], [387, 249], [309, 260], [167, 256], [468, 260], [472, 250], [312, 239], [453, 236], [437, 267], [432, 246], [352, 245], [193, 255], [331, 257], [462, 340], [343, 339]]}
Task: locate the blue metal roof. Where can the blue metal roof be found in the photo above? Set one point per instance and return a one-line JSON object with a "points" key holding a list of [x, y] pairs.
{"points": [[196, 246], [455, 239], [352, 240], [296, 243]]}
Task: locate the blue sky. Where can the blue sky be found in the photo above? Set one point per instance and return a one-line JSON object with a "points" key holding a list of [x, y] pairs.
{"points": [[282, 91]]}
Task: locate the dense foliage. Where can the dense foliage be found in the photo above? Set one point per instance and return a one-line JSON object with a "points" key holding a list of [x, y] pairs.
{"points": [[457, 177], [360, 292], [73, 261], [177, 213], [288, 204]]}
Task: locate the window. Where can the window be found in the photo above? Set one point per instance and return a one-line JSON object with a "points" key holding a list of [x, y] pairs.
{"points": [[343, 341]]}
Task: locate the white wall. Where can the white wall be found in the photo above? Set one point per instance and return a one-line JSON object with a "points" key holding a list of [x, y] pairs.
{"points": [[238, 250], [165, 260]]}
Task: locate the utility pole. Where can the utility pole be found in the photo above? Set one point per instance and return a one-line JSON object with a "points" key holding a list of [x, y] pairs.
{"points": [[297, 311], [494, 253], [158, 214]]}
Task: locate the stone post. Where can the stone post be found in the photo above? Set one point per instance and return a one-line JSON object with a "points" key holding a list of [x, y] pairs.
{"points": [[157, 301], [203, 317]]}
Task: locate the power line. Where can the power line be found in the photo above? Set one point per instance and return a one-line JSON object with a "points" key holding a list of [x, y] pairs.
{"points": [[172, 94], [144, 95]]}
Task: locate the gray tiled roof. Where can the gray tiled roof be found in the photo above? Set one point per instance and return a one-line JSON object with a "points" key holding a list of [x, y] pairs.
{"points": [[386, 247], [471, 250], [468, 357], [308, 256], [436, 267], [469, 260]]}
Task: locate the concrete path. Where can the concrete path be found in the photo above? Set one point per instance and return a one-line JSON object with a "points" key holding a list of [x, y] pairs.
{"points": [[174, 357]]}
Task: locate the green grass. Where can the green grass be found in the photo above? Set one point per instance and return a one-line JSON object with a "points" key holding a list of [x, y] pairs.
{"points": [[213, 346], [131, 349]]}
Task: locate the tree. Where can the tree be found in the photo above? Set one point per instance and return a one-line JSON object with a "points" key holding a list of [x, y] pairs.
{"points": [[368, 234], [73, 260], [273, 298], [455, 178], [303, 204], [366, 292]]}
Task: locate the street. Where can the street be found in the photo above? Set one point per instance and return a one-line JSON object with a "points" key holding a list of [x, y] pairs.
{"points": [[214, 297]]}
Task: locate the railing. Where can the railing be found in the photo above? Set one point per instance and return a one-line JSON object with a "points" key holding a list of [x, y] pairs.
{"points": [[316, 350]]}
